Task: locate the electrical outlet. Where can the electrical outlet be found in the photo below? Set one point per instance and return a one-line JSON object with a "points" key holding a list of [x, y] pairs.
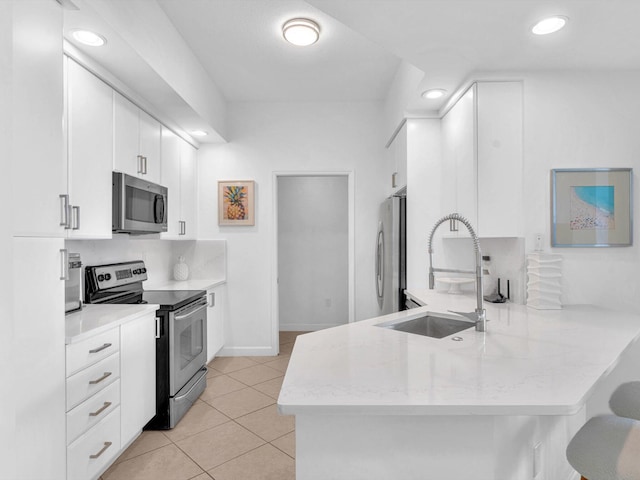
{"points": [[538, 242]]}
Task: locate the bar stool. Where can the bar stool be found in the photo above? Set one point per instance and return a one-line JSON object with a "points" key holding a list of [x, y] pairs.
{"points": [[625, 400], [607, 447]]}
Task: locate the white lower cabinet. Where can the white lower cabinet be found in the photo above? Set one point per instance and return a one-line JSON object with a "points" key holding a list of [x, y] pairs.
{"points": [[90, 454], [110, 394], [138, 375], [216, 298]]}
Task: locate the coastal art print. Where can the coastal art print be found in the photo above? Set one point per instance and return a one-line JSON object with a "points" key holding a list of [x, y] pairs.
{"points": [[236, 202], [591, 207]]}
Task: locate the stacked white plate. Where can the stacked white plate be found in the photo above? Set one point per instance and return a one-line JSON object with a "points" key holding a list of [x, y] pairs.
{"points": [[544, 287]]}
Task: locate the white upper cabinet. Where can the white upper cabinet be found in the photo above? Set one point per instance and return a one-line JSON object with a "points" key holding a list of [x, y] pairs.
{"points": [[89, 153], [136, 141], [179, 176], [398, 154], [35, 115], [500, 159], [460, 168], [482, 151], [188, 190]]}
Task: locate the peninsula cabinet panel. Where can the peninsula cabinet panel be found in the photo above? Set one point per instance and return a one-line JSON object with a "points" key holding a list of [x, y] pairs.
{"points": [[89, 153]]}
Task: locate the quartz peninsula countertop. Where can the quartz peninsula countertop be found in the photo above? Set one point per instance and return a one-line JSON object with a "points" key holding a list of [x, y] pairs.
{"points": [[529, 362]]}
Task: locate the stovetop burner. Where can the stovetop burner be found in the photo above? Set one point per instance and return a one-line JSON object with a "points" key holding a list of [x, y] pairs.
{"points": [[121, 283]]}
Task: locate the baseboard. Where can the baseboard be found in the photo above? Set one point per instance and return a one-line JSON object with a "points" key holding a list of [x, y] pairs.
{"points": [[247, 352], [306, 327]]}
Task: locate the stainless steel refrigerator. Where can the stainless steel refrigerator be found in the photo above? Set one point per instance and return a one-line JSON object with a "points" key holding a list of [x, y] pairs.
{"points": [[390, 259]]}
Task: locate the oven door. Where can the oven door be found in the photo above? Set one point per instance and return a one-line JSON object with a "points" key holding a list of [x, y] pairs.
{"points": [[187, 344]]}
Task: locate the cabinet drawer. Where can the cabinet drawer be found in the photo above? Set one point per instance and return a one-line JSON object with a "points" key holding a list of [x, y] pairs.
{"points": [[92, 411], [92, 379], [92, 350], [93, 451]]}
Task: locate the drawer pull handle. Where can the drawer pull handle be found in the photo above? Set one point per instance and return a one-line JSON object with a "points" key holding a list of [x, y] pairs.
{"points": [[106, 374], [102, 450], [99, 349], [100, 410]]}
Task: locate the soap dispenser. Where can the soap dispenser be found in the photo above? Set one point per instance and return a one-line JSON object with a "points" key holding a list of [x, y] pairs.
{"points": [[180, 269]]}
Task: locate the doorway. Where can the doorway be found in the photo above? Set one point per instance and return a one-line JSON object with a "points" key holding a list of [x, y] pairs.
{"points": [[314, 251]]}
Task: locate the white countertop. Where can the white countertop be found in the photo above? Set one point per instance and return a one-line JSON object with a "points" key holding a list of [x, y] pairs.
{"points": [[190, 284], [529, 362], [94, 319]]}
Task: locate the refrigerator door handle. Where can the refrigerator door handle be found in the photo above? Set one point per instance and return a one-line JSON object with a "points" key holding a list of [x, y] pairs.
{"points": [[380, 265]]}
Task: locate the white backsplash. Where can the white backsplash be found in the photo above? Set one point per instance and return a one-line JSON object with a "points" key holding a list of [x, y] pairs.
{"points": [[205, 258], [507, 263]]}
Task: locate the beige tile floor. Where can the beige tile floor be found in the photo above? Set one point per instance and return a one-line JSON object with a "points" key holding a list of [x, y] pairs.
{"points": [[232, 432]]}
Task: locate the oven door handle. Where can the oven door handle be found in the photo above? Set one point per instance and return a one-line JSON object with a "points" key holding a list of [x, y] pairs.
{"points": [[198, 307]]}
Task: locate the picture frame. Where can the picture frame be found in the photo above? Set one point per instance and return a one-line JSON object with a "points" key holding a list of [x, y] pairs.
{"points": [[592, 207], [236, 202]]}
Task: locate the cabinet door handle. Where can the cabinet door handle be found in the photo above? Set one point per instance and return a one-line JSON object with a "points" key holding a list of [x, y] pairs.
{"points": [[103, 377], [212, 299], [99, 349], [157, 327], [102, 450], [64, 211], [75, 217], [140, 165], [100, 410], [64, 264]]}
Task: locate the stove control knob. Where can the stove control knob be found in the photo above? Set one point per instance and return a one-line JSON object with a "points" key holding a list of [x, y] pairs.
{"points": [[144, 270], [107, 276], [135, 272], [101, 278]]}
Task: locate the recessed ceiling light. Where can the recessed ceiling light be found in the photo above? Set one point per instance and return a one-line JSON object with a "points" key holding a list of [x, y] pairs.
{"points": [[199, 133], [549, 25], [89, 38], [301, 31], [434, 93]]}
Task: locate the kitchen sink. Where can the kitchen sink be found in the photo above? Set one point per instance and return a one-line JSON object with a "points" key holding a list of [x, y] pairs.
{"points": [[430, 325]]}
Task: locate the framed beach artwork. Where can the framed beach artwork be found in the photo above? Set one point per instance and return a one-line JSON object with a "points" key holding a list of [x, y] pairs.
{"points": [[236, 203], [592, 207]]}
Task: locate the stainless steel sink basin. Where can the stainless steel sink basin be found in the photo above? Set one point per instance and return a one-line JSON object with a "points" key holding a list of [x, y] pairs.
{"points": [[430, 325]]}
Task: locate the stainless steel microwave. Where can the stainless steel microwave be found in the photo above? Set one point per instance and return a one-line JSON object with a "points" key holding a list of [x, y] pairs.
{"points": [[138, 206]]}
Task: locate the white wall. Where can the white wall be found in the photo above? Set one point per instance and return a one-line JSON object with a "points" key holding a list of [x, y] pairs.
{"points": [[313, 252], [289, 137], [588, 120], [571, 120]]}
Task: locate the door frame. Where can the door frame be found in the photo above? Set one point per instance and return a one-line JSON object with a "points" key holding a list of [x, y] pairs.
{"points": [[275, 307]]}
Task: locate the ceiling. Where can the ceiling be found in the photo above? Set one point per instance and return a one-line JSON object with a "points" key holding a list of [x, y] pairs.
{"points": [[240, 45]]}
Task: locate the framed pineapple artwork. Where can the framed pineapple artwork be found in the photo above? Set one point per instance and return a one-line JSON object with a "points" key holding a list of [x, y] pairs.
{"points": [[236, 202]]}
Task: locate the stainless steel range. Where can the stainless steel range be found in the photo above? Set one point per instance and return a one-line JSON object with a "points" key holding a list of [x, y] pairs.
{"points": [[181, 348]]}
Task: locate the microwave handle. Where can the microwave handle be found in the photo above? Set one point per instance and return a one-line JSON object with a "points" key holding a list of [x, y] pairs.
{"points": [[158, 208]]}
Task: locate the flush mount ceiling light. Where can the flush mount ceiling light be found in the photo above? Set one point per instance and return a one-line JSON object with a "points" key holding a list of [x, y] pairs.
{"points": [[199, 133], [301, 31], [434, 93], [549, 25], [87, 37]]}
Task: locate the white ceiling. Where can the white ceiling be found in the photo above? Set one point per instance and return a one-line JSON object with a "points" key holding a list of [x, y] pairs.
{"points": [[240, 45]]}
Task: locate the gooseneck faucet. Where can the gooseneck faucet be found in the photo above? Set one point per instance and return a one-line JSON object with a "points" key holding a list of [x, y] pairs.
{"points": [[479, 316]]}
